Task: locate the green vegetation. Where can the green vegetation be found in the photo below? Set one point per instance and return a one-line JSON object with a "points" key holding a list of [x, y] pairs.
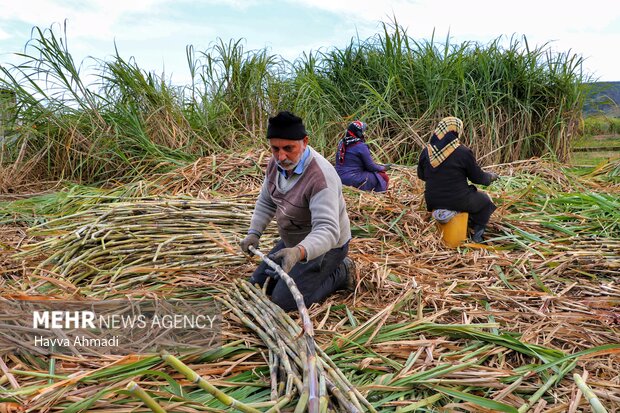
{"points": [[601, 125], [600, 142], [594, 158], [516, 102]]}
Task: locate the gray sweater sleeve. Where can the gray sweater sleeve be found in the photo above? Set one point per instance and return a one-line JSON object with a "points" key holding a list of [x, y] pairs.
{"points": [[264, 211], [325, 223]]}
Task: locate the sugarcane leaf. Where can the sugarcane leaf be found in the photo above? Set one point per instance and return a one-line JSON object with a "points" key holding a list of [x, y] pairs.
{"points": [[173, 386], [84, 405], [477, 400]]}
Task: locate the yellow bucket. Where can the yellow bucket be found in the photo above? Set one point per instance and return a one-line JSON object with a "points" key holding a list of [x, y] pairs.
{"points": [[455, 231]]}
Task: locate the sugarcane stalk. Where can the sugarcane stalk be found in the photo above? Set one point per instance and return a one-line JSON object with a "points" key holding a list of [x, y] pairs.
{"points": [[278, 346], [340, 385], [293, 379], [281, 403], [345, 403], [271, 308], [302, 402], [290, 283], [192, 376], [268, 313], [312, 377], [139, 392], [274, 367], [265, 319], [324, 400], [339, 377], [597, 406], [539, 393]]}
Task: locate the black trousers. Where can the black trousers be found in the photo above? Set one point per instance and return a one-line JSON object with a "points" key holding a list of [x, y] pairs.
{"points": [[477, 203], [480, 208], [315, 279]]}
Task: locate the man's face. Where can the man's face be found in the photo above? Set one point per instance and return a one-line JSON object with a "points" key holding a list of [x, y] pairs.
{"points": [[287, 152]]}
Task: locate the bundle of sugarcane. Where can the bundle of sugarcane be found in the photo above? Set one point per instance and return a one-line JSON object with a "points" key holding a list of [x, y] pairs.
{"points": [[288, 359], [144, 236]]}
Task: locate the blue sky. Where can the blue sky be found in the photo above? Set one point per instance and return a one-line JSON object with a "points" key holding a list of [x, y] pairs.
{"points": [[156, 32]]}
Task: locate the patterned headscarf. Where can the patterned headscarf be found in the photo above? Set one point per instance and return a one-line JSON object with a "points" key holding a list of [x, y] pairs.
{"points": [[353, 135], [445, 140]]}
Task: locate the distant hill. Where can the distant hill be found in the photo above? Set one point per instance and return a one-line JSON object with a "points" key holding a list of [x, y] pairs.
{"points": [[603, 97]]}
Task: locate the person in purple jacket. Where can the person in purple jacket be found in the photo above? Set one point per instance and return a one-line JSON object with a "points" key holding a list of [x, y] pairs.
{"points": [[354, 162]]}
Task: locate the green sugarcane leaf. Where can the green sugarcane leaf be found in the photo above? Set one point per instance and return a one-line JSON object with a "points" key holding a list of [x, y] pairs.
{"points": [[480, 401]]}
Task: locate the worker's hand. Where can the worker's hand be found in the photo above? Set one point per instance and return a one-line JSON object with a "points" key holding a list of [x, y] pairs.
{"points": [[289, 257], [250, 239], [387, 166], [494, 176], [273, 274]]}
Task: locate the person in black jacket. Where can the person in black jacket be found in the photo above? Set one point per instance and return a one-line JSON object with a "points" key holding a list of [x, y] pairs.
{"points": [[445, 165]]}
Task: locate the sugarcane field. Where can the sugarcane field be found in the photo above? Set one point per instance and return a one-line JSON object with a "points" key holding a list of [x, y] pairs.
{"points": [[129, 196]]}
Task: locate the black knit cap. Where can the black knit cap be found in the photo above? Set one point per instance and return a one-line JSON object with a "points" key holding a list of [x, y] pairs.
{"points": [[286, 125]]}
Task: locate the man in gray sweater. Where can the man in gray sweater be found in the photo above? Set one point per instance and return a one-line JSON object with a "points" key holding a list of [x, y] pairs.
{"points": [[304, 193]]}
